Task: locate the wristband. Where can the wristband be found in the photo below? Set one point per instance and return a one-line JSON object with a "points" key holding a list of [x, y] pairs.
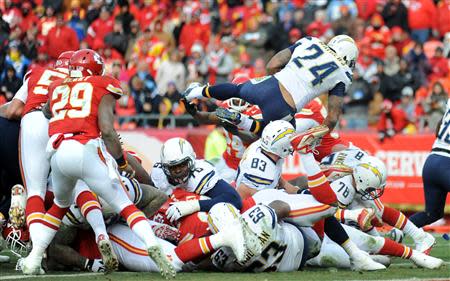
{"points": [[122, 161]]}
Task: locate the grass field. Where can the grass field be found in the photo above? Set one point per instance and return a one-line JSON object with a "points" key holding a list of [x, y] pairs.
{"points": [[399, 270]]}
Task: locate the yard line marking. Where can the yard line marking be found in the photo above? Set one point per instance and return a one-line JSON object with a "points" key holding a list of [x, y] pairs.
{"points": [[13, 277]]}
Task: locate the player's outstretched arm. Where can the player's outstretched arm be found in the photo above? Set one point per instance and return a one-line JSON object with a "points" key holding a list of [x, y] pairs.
{"points": [[109, 135], [290, 188], [12, 110], [278, 61], [152, 200], [141, 174]]}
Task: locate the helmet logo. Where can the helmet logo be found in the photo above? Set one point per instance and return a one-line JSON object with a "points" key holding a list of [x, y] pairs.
{"points": [[283, 134], [181, 142], [98, 59], [373, 169]]}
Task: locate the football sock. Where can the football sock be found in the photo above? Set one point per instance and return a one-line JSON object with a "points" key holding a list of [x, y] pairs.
{"points": [[195, 249], [397, 219], [317, 182], [91, 210], [393, 248], [222, 91], [139, 224]]}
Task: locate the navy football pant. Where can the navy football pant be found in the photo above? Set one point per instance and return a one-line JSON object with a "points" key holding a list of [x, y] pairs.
{"points": [[436, 185], [265, 93]]}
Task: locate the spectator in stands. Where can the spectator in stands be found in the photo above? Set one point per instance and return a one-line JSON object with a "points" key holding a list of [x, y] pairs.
{"points": [[97, 31], [134, 34], [16, 59], [117, 39], [335, 8], [418, 63], [174, 96], [218, 63], [407, 104], [93, 11], [319, 27], [124, 16], [366, 65], [442, 25], [245, 68], [434, 106], [75, 19], [406, 77], [357, 100], [60, 38], [391, 61], [393, 119], [400, 40], [47, 22], [194, 62], [394, 14], [388, 85], [29, 45], [378, 35], [10, 83], [171, 70], [260, 68], [193, 30], [343, 24], [165, 37], [29, 19], [366, 8], [254, 39], [421, 17], [439, 65]]}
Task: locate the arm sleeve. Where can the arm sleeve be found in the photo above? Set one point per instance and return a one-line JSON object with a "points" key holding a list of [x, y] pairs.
{"points": [[22, 93], [222, 192], [338, 90]]}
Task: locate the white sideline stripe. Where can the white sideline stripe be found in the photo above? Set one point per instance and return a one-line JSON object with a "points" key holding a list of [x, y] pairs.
{"points": [[13, 277], [409, 279]]}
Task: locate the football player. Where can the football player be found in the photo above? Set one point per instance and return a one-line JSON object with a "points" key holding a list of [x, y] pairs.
{"points": [[260, 173], [179, 168], [281, 245], [33, 140], [435, 175], [342, 164], [363, 185], [237, 140], [308, 68], [81, 109]]}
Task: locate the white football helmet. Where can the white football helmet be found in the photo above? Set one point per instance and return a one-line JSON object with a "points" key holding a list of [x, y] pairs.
{"points": [[276, 138], [370, 177], [345, 47], [177, 159], [221, 215]]}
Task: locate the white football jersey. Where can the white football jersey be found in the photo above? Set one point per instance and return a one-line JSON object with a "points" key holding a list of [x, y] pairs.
{"points": [[282, 250], [202, 179], [257, 170], [313, 70], [443, 138], [349, 157]]}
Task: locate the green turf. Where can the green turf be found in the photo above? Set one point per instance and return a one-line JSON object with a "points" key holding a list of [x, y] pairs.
{"points": [[398, 270]]}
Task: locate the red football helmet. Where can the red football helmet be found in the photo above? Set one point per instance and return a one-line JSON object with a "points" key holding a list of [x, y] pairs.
{"points": [[86, 62], [237, 104], [63, 59]]}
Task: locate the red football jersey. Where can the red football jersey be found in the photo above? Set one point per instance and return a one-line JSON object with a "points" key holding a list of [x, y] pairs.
{"points": [[235, 147], [39, 79], [315, 111], [74, 104]]}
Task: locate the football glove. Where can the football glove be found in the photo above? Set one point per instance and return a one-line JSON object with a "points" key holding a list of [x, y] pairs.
{"points": [[180, 209], [305, 142]]}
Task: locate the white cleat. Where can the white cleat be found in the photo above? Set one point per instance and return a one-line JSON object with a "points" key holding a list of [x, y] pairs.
{"points": [[425, 261], [193, 91], [32, 266], [109, 258], [235, 239], [425, 244], [18, 204], [165, 267], [384, 260], [362, 262]]}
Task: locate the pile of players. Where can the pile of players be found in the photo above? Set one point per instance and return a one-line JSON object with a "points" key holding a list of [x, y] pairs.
{"points": [[90, 205]]}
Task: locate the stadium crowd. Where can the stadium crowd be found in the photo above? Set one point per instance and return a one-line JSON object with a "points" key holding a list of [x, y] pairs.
{"points": [[156, 48]]}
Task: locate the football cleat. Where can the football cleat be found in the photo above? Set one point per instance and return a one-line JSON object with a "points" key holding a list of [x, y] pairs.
{"points": [[235, 239], [32, 266], [228, 116], [425, 261], [361, 261], [193, 91], [306, 142], [109, 258], [365, 217], [426, 243], [18, 204], [384, 260], [165, 267]]}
